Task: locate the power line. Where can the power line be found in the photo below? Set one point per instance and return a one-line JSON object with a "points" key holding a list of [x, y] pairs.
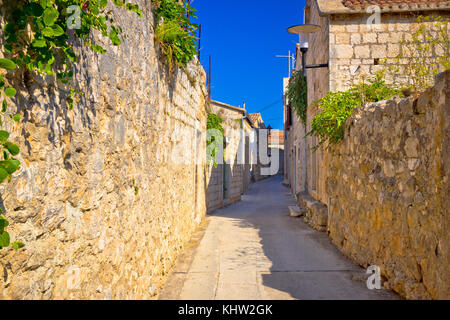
{"points": [[274, 119], [269, 105]]}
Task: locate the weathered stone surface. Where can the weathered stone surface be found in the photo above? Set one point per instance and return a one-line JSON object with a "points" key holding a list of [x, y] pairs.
{"points": [[295, 211], [389, 187], [370, 43], [101, 201], [316, 214]]}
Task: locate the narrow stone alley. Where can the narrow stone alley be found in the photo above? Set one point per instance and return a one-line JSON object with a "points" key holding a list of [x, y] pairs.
{"points": [[253, 250]]}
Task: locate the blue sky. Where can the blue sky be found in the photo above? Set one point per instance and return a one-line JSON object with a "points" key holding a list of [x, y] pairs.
{"points": [[243, 37]]}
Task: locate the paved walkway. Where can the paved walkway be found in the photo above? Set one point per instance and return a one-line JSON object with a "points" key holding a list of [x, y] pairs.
{"points": [[253, 250]]}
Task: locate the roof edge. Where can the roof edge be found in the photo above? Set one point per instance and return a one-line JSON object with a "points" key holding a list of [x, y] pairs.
{"points": [[327, 7], [229, 106]]}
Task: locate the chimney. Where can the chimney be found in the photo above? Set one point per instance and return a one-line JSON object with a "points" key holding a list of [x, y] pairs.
{"points": [[243, 105]]}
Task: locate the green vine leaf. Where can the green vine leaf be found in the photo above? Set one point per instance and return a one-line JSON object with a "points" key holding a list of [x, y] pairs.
{"points": [[12, 148], [7, 64], [34, 9], [3, 223], [39, 43], [10, 166], [16, 117], [57, 30], [17, 245], [10, 92], [3, 174], [4, 135], [4, 239], [50, 16]]}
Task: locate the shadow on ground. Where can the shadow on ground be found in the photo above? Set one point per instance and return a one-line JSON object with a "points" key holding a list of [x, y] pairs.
{"points": [[292, 261]]}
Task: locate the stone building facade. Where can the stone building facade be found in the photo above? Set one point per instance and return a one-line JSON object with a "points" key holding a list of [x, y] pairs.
{"points": [[108, 193], [262, 146], [228, 181], [276, 148], [353, 50]]}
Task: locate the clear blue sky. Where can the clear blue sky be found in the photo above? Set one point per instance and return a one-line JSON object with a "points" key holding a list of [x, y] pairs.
{"points": [[243, 37]]}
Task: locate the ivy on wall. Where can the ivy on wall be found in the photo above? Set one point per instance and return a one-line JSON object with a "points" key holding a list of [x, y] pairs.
{"points": [[426, 54], [297, 93], [36, 39], [214, 137]]}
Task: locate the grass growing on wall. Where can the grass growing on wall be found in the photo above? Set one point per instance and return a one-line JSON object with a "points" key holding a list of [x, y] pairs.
{"points": [[175, 33]]}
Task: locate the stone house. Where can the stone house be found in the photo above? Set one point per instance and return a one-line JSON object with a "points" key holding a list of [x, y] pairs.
{"points": [[354, 47], [258, 121], [227, 182], [276, 147], [263, 148], [371, 194]]}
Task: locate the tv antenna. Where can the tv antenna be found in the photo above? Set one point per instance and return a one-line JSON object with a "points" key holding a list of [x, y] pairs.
{"points": [[291, 60]]}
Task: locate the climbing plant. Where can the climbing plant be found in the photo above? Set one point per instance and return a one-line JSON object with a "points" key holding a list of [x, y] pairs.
{"points": [[424, 55], [297, 93], [36, 39], [338, 106], [175, 32], [214, 140]]}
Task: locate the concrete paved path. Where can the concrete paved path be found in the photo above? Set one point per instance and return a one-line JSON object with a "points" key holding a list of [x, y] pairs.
{"points": [[253, 250]]}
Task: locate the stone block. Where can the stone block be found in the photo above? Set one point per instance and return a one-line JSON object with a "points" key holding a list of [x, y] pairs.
{"points": [[342, 38], [355, 39], [411, 147], [378, 51], [370, 37], [353, 27], [295, 211], [341, 51], [393, 50], [362, 52]]}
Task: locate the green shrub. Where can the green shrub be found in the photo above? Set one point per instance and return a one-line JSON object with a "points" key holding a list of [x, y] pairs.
{"points": [[175, 33], [337, 107]]}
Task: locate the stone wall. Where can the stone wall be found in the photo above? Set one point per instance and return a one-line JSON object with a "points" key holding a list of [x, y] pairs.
{"points": [[389, 188], [102, 201], [215, 188]]}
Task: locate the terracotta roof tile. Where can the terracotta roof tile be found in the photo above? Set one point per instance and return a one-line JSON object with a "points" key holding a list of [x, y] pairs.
{"points": [[357, 4], [276, 133], [256, 118]]}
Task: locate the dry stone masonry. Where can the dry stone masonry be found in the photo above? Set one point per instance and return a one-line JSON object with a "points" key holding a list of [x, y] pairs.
{"points": [[389, 191], [102, 200]]}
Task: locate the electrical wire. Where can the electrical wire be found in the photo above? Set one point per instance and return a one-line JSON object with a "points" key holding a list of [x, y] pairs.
{"points": [[270, 105]]}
